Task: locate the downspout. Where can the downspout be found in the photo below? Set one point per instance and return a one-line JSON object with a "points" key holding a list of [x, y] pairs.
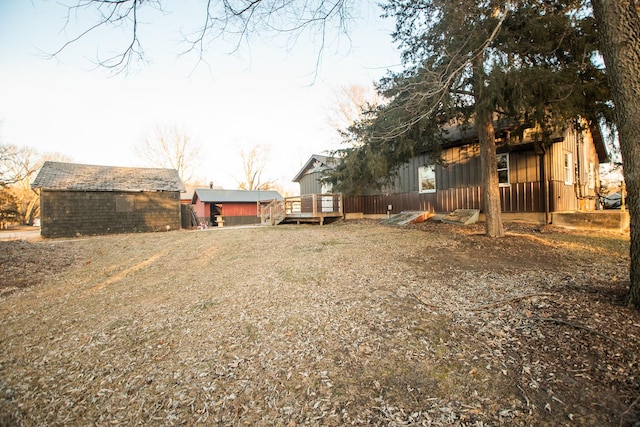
{"points": [[542, 153], [578, 171], [543, 173]]}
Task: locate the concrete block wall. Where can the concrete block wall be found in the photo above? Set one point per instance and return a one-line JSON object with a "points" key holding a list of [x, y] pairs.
{"points": [[607, 220], [81, 213]]}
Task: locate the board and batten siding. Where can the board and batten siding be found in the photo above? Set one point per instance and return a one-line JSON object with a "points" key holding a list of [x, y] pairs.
{"points": [[461, 166], [310, 183], [458, 180], [579, 194], [239, 209], [239, 213]]}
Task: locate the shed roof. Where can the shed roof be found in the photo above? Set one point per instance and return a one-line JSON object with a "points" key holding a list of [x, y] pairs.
{"points": [[317, 162], [234, 196], [79, 177]]}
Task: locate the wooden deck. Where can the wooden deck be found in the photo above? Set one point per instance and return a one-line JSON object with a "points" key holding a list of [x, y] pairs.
{"points": [[310, 208]]}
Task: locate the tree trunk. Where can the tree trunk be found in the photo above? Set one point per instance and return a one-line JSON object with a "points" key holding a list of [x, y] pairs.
{"points": [[488, 167], [488, 161], [619, 31]]}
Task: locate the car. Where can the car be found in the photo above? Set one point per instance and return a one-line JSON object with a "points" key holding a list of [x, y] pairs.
{"points": [[612, 201]]}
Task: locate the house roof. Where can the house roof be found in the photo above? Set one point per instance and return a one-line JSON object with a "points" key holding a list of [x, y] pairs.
{"points": [[208, 195], [461, 133], [78, 177], [316, 163], [601, 146]]}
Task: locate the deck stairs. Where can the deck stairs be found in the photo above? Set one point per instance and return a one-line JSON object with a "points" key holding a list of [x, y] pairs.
{"points": [[273, 213]]}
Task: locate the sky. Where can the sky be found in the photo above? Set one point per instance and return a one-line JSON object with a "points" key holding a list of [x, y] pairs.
{"points": [[267, 93]]}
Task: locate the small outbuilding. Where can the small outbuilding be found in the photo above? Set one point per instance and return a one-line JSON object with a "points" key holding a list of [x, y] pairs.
{"points": [[311, 175], [230, 207], [78, 199]]}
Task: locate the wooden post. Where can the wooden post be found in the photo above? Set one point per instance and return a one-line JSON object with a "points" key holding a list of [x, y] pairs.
{"points": [[314, 203]]}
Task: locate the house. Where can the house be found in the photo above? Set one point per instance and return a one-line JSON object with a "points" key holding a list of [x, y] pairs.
{"points": [[230, 207], [535, 181], [78, 199], [312, 172]]}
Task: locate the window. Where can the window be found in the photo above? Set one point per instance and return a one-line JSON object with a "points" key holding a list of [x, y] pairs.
{"points": [[503, 169], [427, 179], [568, 169]]}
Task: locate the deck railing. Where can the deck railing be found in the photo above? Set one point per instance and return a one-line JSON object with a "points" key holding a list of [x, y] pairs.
{"points": [[309, 207], [272, 213]]}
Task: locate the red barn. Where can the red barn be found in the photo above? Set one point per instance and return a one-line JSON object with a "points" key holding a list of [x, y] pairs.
{"points": [[230, 207]]}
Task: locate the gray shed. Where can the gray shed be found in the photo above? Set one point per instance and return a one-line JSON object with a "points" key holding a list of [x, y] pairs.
{"points": [[312, 172], [77, 199]]}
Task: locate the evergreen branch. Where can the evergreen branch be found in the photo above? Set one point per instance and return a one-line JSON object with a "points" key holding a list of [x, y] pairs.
{"points": [[438, 94]]}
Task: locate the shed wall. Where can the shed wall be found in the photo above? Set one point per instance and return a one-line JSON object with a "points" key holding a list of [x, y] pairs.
{"points": [[239, 209], [203, 210], [230, 221], [77, 213], [310, 183], [232, 213]]}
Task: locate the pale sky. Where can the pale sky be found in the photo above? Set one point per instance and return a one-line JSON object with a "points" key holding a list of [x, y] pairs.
{"points": [[264, 94]]}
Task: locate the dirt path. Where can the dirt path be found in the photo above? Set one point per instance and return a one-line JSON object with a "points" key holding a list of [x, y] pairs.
{"points": [[351, 323], [20, 233]]}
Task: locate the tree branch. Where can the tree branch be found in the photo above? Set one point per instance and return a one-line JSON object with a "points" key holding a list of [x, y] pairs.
{"points": [[236, 18]]}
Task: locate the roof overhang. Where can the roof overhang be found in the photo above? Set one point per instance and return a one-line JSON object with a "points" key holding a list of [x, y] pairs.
{"points": [[325, 160]]}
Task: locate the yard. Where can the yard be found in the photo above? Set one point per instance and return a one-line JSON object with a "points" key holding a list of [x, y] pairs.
{"points": [[349, 323]]}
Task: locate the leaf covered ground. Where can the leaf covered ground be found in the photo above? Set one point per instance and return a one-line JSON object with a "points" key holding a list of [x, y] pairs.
{"points": [[351, 323]]}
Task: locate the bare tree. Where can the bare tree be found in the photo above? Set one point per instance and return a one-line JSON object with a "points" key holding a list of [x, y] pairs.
{"points": [[352, 103], [233, 19], [171, 148], [16, 163], [253, 164], [28, 198]]}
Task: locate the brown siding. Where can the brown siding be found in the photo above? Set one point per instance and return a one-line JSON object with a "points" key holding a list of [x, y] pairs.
{"points": [[232, 221], [522, 197], [77, 213], [578, 195], [458, 198], [458, 181], [459, 169], [378, 204], [562, 197], [524, 166]]}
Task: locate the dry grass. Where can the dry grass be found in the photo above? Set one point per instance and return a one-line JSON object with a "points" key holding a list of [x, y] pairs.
{"points": [[352, 323]]}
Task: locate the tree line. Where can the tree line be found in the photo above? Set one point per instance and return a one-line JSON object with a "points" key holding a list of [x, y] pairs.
{"points": [[18, 166]]}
